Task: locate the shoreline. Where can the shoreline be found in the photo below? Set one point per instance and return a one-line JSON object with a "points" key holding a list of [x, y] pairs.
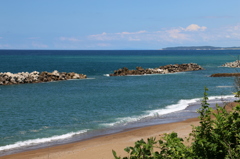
{"points": [[102, 146], [140, 131]]}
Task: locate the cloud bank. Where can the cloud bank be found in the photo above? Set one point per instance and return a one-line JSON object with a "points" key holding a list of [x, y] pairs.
{"points": [[170, 34], [193, 34], [195, 27]]}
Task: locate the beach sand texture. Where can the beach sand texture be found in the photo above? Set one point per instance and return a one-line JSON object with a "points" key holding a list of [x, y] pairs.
{"points": [[101, 147]]}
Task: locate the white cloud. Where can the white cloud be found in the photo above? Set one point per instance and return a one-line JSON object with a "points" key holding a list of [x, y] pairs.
{"points": [[191, 35], [195, 27], [171, 34], [134, 39], [228, 33], [71, 39], [233, 31], [5, 46], [128, 33], [176, 34], [116, 36], [102, 37], [39, 45]]}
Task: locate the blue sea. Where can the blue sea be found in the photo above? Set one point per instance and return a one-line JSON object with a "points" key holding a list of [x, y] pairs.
{"points": [[46, 114]]}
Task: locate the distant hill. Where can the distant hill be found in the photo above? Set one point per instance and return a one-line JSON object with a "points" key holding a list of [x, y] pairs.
{"points": [[201, 48]]}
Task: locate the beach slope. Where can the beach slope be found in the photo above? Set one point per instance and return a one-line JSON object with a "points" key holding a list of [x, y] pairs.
{"points": [[101, 147]]}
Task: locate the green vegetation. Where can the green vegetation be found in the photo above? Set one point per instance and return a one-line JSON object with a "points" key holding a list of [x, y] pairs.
{"points": [[214, 138], [237, 88]]}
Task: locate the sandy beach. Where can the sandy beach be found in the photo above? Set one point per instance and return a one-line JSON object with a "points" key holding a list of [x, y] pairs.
{"points": [[101, 147]]}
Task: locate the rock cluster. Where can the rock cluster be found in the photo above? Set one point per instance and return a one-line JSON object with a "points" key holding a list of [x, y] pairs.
{"points": [[225, 74], [160, 70], [232, 64], [36, 77]]}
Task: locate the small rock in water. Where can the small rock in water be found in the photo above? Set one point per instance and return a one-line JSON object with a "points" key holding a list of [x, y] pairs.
{"points": [[235, 64]]}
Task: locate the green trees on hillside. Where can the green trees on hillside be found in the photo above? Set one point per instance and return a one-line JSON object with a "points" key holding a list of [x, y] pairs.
{"points": [[217, 137]]}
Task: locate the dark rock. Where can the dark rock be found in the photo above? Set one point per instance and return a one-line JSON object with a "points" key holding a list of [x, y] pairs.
{"points": [[225, 75], [160, 70]]}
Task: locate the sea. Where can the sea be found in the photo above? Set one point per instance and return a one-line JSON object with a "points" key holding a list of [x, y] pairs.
{"points": [[40, 115]]}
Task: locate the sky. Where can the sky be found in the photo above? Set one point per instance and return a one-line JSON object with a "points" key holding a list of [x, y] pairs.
{"points": [[118, 24]]}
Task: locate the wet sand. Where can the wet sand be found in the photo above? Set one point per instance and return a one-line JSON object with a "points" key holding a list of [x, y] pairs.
{"points": [[101, 147]]}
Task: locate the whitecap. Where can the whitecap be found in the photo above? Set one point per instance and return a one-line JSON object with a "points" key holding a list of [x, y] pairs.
{"points": [[157, 113], [223, 86], [41, 140]]}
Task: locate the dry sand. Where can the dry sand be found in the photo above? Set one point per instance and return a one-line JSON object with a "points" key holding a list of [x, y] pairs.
{"points": [[101, 147]]}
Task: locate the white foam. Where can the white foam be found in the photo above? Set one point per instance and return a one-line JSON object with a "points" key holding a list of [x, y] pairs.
{"points": [[220, 97], [123, 121], [224, 86], [157, 74], [184, 103], [181, 105], [77, 79], [154, 74], [40, 140]]}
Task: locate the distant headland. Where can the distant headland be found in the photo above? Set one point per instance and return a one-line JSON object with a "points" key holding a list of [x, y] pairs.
{"points": [[201, 48]]}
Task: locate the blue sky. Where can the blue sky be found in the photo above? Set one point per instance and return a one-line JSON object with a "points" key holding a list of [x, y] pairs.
{"points": [[118, 24]]}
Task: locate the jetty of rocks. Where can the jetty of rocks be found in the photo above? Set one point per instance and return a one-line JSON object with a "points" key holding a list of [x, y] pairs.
{"points": [[235, 64], [225, 75], [160, 70], [8, 78]]}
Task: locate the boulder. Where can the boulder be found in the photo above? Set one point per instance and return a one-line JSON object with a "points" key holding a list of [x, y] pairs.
{"points": [[225, 75], [160, 70], [235, 64], [12, 80], [55, 73], [76, 76]]}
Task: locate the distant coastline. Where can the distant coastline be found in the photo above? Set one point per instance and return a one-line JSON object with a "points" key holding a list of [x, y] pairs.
{"points": [[201, 48]]}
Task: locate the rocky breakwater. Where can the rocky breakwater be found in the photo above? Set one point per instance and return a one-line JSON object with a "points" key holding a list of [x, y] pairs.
{"points": [[225, 75], [160, 70], [8, 78], [235, 64]]}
